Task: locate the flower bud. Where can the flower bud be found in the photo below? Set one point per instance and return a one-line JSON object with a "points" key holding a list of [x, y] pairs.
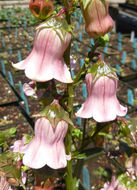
{"points": [[97, 18], [41, 8]]}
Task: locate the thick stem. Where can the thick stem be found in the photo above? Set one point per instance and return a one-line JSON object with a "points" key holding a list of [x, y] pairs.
{"points": [[69, 177], [68, 140]]}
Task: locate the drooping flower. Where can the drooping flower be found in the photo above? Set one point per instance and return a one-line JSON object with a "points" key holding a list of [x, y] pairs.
{"points": [[47, 146], [41, 8], [102, 103], [45, 62], [97, 18], [113, 185], [4, 185]]}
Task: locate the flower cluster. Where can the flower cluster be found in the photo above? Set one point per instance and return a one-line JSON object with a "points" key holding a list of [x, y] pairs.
{"points": [[46, 62]]}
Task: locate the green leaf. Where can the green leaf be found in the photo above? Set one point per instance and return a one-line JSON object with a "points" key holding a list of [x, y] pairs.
{"points": [[124, 129], [80, 156], [93, 152], [125, 148], [85, 3], [109, 136], [77, 133], [12, 131]]}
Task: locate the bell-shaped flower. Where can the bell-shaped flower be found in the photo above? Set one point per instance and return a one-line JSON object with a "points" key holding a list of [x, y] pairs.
{"points": [[97, 18], [4, 185], [45, 62], [102, 103], [47, 146], [41, 8], [113, 185]]}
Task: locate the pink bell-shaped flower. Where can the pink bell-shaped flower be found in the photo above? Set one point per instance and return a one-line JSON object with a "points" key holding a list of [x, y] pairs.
{"points": [[45, 62], [102, 103], [47, 147], [97, 19], [113, 185]]}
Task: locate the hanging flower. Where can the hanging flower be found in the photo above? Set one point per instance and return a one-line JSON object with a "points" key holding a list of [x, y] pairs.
{"points": [[41, 8], [97, 18], [4, 185], [113, 185], [29, 90], [102, 103], [45, 61], [47, 146]]}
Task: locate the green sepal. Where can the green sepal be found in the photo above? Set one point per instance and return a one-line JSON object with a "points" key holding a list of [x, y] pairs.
{"points": [[60, 26], [100, 69], [55, 113], [103, 40], [85, 3]]}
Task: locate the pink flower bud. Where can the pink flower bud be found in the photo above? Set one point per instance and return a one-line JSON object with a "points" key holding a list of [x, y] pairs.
{"points": [[47, 147], [97, 18], [29, 90], [102, 103], [45, 61]]}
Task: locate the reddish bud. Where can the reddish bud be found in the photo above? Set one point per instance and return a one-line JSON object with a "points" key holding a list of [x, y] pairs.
{"points": [[41, 8]]}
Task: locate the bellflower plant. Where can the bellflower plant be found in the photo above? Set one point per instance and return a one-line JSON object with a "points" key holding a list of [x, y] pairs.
{"points": [[57, 141]]}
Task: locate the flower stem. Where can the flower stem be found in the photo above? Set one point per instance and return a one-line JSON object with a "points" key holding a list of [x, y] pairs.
{"points": [[68, 140]]}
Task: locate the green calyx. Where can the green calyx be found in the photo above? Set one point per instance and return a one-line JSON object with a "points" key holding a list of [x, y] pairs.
{"points": [[100, 69], [103, 40], [60, 26], [55, 113], [85, 3]]}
